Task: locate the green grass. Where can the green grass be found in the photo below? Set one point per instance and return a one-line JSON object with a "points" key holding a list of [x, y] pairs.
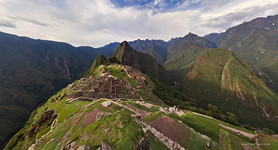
{"points": [[225, 142], [124, 132], [51, 145], [58, 133], [98, 105], [124, 91], [236, 127], [67, 111], [152, 109], [203, 125], [122, 102], [133, 82], [156, 144], [43, 132], [215, 79], [268, 142], [153, 116], [117, 72], [143, 96], [58, 106]]}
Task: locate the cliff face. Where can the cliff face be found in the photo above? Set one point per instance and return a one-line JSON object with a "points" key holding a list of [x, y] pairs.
{"points": [[141, 61]]}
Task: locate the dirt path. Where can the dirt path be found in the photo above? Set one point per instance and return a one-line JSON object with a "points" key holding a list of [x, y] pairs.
{"points": [[249, 135], [202, 115]]}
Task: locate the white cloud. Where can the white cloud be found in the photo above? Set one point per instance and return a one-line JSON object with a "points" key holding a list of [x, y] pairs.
{"points": [[96, 23]]}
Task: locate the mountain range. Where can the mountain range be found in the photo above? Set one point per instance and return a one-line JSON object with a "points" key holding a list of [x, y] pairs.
{"points": [[241, 80]]}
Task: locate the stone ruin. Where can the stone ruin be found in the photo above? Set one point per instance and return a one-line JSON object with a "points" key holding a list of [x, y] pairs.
{"points": [[107, 86]]}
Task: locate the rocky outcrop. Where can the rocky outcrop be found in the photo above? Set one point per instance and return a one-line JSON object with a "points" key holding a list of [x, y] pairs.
{"points": [[105, 146], [141, 61], [83, 147], [106, 104], [144, 143], [48, 116], [100, 115]]}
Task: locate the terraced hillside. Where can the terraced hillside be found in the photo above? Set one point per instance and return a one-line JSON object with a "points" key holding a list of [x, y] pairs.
{"points": [[221, 78], [115, 107], [255, 42]]}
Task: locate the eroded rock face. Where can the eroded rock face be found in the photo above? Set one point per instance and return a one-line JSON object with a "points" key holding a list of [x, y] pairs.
{"points": [[48, 116], [100, 115], [84, 147], [105, 146], [33, 147], [144, 143], [106, 104]]}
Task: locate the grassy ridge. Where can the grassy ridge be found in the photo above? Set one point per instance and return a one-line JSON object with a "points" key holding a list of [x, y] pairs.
{"points": [[221, 78]]}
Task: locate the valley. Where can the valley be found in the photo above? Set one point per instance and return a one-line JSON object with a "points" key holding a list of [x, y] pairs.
{"points": [[125, 95]]}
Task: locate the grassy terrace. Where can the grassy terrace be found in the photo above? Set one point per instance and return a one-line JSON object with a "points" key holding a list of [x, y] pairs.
{"points": [[119, 73], [152, 109], [193, 139]]}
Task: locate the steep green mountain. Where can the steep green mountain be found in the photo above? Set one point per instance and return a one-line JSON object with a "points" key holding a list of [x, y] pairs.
{"points": [[75, 113], [155, 48], [223, 79], [32, 70], [115, 107], [256, 42], [141, 61], [183, 54]]}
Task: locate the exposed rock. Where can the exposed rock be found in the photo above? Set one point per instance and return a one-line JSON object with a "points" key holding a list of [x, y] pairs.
{"points": [[83, 147], [153, 130], [47, 116], [137, 116], [72, 143], [171, 143], [33, 147], [171, 109], [106, 104], [182, 148], [100, 115], [145, 130], [144, 143], [157, 134], [161, 135], [178, 146], [105, 146], [107, 130], [208, 144], [175, 145], [205, 137]]}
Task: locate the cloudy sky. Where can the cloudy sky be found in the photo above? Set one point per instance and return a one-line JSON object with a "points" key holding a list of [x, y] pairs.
{"points": [[99, 22]]}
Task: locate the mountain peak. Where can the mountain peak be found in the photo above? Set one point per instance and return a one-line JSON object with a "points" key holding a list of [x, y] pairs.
{"points": [[124, 47], [124, 44], [191, 34]]}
